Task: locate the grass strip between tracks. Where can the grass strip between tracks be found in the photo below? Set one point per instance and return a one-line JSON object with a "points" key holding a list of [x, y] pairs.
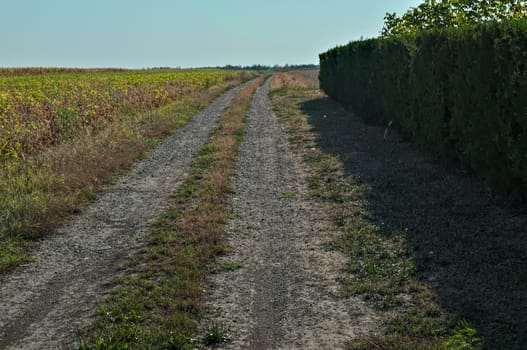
{"points": [[156, 305], [39, 192]]}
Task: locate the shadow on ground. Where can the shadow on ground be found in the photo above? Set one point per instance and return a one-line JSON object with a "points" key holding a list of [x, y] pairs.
{"points": [[470, 251]]}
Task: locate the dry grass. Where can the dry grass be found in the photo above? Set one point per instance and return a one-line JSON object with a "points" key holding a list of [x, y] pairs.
{"points": [[300, 79], [165, 281], [38, 193], [427, 245], [40, 111]]}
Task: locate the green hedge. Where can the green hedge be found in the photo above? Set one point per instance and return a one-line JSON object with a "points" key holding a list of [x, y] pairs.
{"points": [[460, 93]]}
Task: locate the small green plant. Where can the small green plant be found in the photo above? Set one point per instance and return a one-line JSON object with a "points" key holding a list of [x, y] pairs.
{"points": [[104, 343], [215, 335], [464, 339], [230, 265], [177, 341], [120, 317], [289, 195]]}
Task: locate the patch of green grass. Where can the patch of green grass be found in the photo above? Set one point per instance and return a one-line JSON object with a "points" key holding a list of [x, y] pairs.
{"points": [[157, 303], [393, 342], [230, 265], [427, 246], [289, 195], [215, 336], [380, 268], [24, 193], [204, 159], [12, 254], [465, 338], [189, 190]]}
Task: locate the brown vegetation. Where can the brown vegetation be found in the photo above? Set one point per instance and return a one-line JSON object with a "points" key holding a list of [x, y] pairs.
{"points": [[166, 279], [35, 195], [427, 245], [295, 79]]}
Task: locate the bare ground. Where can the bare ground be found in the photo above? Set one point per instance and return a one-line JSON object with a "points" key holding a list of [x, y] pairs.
{"points": [[285, 293], [44, 303]]}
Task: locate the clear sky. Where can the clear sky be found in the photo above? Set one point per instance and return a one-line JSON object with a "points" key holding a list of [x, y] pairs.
{"points": [[182, 33]]}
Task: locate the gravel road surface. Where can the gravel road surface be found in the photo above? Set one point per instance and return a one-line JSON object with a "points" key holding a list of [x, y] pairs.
{"points": [[43, 304], [285, 295]]}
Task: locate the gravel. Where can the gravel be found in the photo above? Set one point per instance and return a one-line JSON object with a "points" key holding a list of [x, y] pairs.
{"points": [[286, 293], [46, 302]]}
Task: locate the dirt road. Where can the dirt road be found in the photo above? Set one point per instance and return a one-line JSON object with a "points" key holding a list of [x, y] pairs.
{"points": [[285, 293], [43, 304]]}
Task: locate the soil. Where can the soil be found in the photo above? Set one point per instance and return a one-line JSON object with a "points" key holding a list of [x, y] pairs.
{"points": [[44, 303], [285, 293]]}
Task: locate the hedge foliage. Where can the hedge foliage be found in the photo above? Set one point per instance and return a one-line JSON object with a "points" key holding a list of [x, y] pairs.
{"points": [[461, 93]]}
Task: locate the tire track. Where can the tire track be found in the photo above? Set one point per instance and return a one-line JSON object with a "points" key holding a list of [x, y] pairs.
{"points": [[285, 295], [43, 304]]}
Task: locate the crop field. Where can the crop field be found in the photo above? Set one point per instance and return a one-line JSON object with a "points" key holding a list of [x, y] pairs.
{"points": [[65, 132], [41, 109]]}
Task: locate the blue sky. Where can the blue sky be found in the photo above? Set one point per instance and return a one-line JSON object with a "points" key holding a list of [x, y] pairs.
{"points": [[182, 33]]}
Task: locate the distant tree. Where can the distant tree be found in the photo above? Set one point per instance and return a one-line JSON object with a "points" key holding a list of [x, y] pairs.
{"points": [[276, 67], [452, 13]]}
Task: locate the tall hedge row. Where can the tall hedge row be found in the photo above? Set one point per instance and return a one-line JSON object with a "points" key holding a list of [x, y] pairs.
{"points": [[460, 93]]}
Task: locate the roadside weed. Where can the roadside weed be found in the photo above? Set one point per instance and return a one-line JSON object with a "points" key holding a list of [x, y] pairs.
{"points": [[427, 246], [215, 336], [230, 265]]}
